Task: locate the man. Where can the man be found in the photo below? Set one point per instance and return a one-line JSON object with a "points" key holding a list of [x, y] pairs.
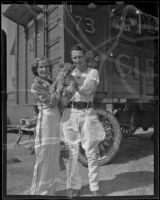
{"points": [[80, 124]]}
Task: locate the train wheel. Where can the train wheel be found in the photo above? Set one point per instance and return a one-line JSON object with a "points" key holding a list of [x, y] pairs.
{"points": [[127, 130], [110, 145]]}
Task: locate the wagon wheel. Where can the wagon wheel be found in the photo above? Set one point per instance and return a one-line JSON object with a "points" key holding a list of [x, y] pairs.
{"points": [[110, 145], [127, 130]]}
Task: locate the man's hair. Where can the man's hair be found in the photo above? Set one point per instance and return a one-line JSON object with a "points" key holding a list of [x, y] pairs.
{"points": [[79, 47]]}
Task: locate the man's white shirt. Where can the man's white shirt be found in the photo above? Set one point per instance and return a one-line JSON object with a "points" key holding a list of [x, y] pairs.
{"points": [[84, 79]]}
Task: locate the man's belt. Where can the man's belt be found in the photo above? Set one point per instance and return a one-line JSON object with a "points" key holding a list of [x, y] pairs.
{"points": [[80, 104]]}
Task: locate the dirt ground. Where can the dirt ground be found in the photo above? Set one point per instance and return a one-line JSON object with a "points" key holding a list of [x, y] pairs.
{"points": [[130, 173]]}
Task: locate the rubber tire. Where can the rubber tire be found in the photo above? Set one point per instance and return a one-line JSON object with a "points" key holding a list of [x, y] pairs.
{"points": [[116, 140]]}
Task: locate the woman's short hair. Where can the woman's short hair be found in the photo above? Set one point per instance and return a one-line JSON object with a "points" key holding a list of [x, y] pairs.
{"points": [[35, 64], [79, 47]]}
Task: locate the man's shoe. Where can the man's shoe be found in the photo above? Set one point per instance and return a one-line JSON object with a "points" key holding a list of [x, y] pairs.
{"points": [[96, 193], [75, 192]]}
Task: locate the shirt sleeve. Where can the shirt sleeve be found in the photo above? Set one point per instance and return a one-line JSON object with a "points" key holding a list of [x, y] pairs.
{"points": [[42, 94], [91, 82]]}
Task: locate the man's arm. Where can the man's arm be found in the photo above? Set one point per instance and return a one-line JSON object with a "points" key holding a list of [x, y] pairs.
{"points": [[89, 86]]}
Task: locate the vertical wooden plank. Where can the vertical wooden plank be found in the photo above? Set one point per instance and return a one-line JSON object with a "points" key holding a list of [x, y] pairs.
{"points": [[31, 48], [26, 66], [17, 64], [35, 41], [55, 37], [21, 62], [4, 102], [40, 37], [45, 31]]}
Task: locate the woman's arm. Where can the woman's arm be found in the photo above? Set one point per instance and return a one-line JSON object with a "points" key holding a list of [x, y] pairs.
{"points": [[42, 94]]}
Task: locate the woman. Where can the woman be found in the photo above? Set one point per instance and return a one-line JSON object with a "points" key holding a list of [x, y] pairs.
{"points": [[47, 140]]}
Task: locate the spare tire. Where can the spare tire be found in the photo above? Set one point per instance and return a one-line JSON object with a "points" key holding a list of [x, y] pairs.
{"points": [[110, 145]]}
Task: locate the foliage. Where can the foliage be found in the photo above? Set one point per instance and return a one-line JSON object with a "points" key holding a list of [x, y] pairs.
{"points": [[65, 84]]}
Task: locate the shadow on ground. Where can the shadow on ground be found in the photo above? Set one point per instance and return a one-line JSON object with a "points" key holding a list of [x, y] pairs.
{"points": [[121, 182], [133, 148], [124, 181]]}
